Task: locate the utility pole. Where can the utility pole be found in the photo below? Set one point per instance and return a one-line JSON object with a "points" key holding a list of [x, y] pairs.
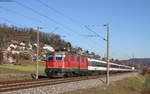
{"points": [[133, 60], [37, 59], [107, 40], [107, 50]]}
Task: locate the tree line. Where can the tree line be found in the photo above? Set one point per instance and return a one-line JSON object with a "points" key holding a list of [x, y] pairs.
{"points": [[8, 33]]}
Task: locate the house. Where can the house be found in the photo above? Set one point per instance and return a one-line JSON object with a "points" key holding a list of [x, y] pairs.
{"points": [[22, 44], [48, 47], [30, 46], [13, 46], [9, 49], [15, 52], [35, 44]]}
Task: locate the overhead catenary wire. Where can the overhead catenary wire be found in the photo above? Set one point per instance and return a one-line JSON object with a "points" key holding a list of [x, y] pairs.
{"points": [[42, 15], [32, 19], [96, 34], [45, 16], [66, 16], [56, 28], [7, 20], [18, 13], [60, 13]]}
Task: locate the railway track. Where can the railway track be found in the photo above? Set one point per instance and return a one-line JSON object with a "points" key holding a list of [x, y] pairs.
{"points": [[24, 84]]}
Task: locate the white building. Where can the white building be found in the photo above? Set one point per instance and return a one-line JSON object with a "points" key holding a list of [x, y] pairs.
{"points": [[48, 47], [13, 46], [22, 44]]}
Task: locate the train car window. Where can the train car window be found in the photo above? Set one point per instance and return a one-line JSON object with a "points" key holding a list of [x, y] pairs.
{"points": [[115, 66], [82, 59], [78, 59], [98, 64], [103, 64], [93, 63], [59, 58], [66, 58], [72, 58]]}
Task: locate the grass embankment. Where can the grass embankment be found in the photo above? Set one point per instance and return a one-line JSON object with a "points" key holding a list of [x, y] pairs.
{"points": [[135, 85], [20, 72]]}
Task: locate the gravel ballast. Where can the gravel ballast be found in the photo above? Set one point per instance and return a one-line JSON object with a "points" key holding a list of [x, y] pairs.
{"points": [[65, 87]]}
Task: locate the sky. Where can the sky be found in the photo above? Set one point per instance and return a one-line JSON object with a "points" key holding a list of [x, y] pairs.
{"points": [[129, 22]]}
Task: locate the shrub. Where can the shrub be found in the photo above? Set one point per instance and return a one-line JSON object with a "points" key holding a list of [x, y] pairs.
{"points": [[145, 70], [147, 81], [146, 89]]}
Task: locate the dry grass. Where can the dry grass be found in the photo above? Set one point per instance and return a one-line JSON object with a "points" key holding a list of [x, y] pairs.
{"points": [[146, 89], [126, 86]]}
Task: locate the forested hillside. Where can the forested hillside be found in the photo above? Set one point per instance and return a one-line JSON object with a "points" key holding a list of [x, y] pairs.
{"points": [[9, 33]]}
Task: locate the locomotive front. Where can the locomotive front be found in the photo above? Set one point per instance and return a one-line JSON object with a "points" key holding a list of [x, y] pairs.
{"points": [[54, 64]]}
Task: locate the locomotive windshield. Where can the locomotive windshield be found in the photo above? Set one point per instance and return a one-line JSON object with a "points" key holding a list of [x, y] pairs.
{"points": [[59, 58], [49, 57]]}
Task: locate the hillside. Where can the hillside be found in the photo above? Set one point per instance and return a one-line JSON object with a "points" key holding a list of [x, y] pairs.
{"points": [[16, 42], [143, 61], [26, 35]]}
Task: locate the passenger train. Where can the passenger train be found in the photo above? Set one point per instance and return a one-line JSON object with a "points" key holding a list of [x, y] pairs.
{"points": [[63, 64]]}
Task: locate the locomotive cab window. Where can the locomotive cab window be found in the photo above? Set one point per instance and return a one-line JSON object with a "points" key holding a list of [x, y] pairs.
{"points": [[59, 58], [49, 58], [72, 58]]}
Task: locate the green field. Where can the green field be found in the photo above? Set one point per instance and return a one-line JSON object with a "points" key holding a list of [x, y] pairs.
{"points": [[20, 72], [135, 85], [29, 68]]}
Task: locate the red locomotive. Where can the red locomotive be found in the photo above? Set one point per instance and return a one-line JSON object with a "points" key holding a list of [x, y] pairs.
{"points": [[63, 64], [60, 64]]}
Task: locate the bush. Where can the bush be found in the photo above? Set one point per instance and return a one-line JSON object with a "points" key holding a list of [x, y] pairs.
{"points": [[146, 89], [147, 81], [145, 70]]}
